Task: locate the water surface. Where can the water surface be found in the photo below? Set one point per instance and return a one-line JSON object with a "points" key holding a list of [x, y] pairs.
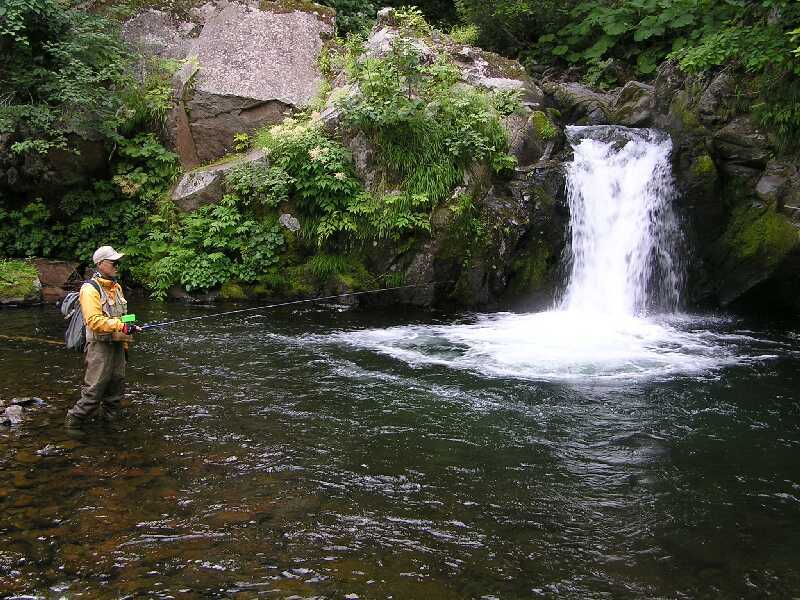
{"points": [[327, 452]]}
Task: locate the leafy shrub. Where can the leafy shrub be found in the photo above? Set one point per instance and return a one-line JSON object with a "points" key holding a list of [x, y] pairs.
{"points": [[259, 184], [427, 128], [62, 71], [208, 247]]}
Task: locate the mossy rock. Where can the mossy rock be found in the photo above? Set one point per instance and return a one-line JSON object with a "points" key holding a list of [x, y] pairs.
{"points": [[544, 127], [703, 167], [756, 242], [286, 6], [19, 282], [756, 232], [232, 290], [530, 271]]}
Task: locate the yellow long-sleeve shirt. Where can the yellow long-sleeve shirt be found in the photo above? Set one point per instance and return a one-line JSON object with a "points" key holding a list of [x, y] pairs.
{"points": [[92, 307]]}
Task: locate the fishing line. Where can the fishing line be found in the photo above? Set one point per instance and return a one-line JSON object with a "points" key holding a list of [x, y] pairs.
{"points": [[270, 306]]}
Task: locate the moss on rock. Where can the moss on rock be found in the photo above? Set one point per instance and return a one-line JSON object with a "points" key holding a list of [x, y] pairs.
{"points": [[543, 126], [703, 166], [530, 271], [761, 234], [19, 281], [232, 290]]}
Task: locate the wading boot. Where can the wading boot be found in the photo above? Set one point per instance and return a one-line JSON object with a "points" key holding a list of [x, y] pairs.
{"points": [[111, 419], [74, 425]]}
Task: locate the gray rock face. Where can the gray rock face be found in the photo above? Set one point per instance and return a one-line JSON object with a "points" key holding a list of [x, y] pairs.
{"points": [[156, 33], [493, 72], [246, 68], [206, 186], [580, 104], [740, 142], [634, 105], [289, 222]]}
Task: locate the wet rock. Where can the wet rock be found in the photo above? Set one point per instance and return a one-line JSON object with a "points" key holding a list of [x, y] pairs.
{"points": [[711, 107], [580, 104], [26, 401], [634, 105], [741, 143], [206, 185], [13, 415]]}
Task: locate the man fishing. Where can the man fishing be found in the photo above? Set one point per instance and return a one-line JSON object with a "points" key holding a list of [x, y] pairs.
{"points": [[107, 339]]}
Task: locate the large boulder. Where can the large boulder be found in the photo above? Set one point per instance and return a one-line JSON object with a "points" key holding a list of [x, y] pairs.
{"points": [[580, 104], [206, 185], [247, 65], [57, 277]]}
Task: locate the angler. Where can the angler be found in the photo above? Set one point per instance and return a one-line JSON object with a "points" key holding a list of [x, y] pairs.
{"points": [[107, 339]]}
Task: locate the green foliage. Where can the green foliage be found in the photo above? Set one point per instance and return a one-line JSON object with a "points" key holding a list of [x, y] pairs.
{"points": [[465, 34], [352, 16], [62, 71], [17, 279], [506, 102], [208, 247], [259, 184], [426, 127], [109, 212], [411, 20]]}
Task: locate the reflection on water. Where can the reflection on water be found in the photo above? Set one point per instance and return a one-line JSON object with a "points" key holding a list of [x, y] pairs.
{"points": [[301, 453]]}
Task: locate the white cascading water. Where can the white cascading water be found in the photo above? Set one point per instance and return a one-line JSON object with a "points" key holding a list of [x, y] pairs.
{"points": [[616, 320], [624, 231]]}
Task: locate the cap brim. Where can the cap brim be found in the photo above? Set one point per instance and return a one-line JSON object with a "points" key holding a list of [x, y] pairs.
{"points": [[116, 256]]}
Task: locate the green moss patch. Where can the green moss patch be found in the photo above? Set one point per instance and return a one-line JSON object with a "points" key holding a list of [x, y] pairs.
{"points": [[761, 234], [543, 125], [286, 6], [703, 166], [18, 280], [232, 290]]}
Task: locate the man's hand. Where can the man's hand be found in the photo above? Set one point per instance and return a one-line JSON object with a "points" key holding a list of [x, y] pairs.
{"points": [[130, 329]]}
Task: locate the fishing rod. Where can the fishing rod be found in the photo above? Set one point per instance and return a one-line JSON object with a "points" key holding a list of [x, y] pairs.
{"points": [[269, 306]]}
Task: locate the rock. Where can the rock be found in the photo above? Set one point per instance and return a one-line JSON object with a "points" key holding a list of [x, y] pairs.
{"points": [[247, 67], [57, 277], [364, 159], [741, 143], [26, 401], [289, 222], [711, 108], [13, 415], [381, 41], [206, 185], [156, 33], [176, 292], [634, 105], [756, 242], [491, 71], [777, 184], [579, 104]]}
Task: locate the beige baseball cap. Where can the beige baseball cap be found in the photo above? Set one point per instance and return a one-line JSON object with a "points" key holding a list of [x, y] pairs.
{"points": [[105, 253]]}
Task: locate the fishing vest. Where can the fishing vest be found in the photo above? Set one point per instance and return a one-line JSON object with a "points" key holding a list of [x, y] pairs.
{"points": [[113, 310]]}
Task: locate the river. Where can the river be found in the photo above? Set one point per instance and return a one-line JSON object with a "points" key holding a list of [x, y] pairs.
{"points": [[283, 454]]}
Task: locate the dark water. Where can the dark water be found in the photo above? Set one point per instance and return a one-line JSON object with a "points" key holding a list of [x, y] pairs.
{"points": [[258, 460]]}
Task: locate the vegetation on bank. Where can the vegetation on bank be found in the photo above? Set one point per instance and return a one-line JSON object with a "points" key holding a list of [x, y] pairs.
{"points": [[66, 74], [18, 280]]}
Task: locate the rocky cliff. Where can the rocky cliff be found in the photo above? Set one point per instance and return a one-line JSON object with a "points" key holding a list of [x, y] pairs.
{"points": [[249, 64]]}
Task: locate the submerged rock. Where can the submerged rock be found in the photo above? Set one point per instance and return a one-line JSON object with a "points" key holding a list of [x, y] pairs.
{"points": [[13, 415]]}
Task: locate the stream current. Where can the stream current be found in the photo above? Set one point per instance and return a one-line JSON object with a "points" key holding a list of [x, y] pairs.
{"points": [[612, 447]]}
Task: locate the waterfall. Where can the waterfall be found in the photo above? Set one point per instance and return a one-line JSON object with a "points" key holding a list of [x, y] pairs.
{"points": [[624, 232], [618, 318]]}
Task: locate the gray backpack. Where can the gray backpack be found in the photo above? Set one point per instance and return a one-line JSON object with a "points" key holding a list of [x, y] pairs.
{"points": [[75, 336]]}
